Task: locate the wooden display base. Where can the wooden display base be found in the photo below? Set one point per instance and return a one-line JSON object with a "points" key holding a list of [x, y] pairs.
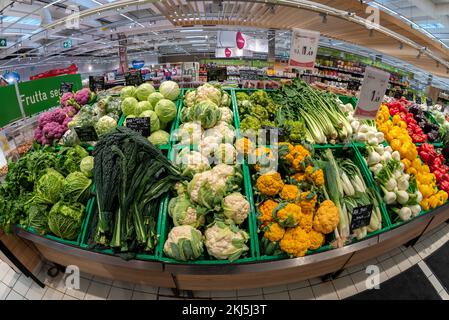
{"points": [[227, 277]]}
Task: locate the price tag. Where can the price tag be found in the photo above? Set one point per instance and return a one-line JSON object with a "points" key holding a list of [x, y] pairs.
{"points": [[398, 95], [372, 93], [410, 96], [86, 134], [96, 83], [133, 78], [66, 87], [304, 47], [361, 217], [141, 125]]}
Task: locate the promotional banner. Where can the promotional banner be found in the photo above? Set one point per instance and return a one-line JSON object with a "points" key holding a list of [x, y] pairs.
{"points": [[123, 53], [72, 69], [304, 47], [372, 93], [241, 41], [42, 94]]}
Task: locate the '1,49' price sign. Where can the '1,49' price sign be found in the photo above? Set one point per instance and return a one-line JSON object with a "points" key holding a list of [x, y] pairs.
{"points": [[372, 93]]}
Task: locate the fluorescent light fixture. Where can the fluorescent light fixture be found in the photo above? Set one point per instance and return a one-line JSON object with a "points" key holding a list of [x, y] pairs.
{"points": [[197, 41], [199, 45], [192, 30], [97, 2], [50, 4], [131, 19], [193, 37]]}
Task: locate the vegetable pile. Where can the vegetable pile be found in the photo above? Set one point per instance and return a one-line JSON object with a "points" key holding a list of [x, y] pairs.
{"points": [[325, 121], [46, 191], [131, 178], [398, 110], [431, 130], [437, 165], [291, 217], [144, 101]]}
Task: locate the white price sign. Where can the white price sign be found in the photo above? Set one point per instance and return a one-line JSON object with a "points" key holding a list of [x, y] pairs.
{"points": [[372, 93], [304, 48]]}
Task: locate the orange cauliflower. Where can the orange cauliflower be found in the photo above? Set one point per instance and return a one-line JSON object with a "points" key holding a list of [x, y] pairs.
{"points": [[290, 192], [274, 232], [316, 239], [315, 176], [295, 242], [299, 177], [288, 215], [266, 211], [264, 157], [306, 221], [296, 156], [326, 218], [308, 202], [270, 184]]}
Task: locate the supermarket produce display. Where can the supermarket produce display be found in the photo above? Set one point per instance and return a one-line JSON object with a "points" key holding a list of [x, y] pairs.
{"points": [[225, 176]]}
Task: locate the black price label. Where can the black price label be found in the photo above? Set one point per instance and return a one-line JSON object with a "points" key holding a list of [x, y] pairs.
{"points": [[96, 83], [249, 75], [141, 125], [429, 101], [86, 134], [66, 87], [410, 96], [361, 217], [133, 78], [398, 95]]}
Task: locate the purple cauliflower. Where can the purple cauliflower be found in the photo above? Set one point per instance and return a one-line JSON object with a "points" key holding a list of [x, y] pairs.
{"points": [[83, 96], [65, 98]]}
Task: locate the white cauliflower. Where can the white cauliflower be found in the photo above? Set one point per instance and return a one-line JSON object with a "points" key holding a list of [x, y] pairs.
{"points": [[181, 238], [208, 145], [225, 242], [192, 162], [207, 189], [236, 207], [189, 133], [223, 170], [226, 115], [226, 130], [184, 212]]}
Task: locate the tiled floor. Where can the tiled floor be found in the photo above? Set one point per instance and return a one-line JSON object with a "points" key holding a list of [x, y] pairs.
{"points": [[351, 281]]}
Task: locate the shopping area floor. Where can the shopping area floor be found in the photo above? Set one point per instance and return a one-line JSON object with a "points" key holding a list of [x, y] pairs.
{"points": [[15, 286]]}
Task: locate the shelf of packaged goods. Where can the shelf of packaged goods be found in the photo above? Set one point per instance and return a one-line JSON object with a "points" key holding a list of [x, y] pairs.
{"points": [[339, 70], [337, 79]]}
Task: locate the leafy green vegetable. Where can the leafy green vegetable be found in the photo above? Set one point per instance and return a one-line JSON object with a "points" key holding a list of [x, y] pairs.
{"points": [[159, 137], [87, 166], [143, 91], [165, 110], [64, 220], [170, 90], [49, 186], [76, 188]]}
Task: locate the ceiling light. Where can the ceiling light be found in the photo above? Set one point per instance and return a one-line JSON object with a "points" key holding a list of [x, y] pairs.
{"points": [[192, 30], [192, 37], [50, 4]]}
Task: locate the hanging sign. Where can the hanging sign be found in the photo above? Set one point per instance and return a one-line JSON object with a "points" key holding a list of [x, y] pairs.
{"points": [[138, 64], [240, 40], [304, 47], [372, 93], [361, 217]]}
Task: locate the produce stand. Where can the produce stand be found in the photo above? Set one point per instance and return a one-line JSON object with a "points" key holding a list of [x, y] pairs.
{"points": [[234, 276], [251, 271]]}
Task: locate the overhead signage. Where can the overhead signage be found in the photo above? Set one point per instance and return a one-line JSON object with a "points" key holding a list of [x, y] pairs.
{"points": [[138, 64], [241, 41], [3, 42], [232, 53], [372, 93], [67, 44], [304, 47]]}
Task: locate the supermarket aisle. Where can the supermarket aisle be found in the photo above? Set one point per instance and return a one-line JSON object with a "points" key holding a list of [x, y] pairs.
{"points": [[402, 262]]}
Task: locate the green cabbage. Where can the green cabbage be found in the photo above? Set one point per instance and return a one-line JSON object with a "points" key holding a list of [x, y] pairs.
{"points": [[70, 159], [87, 166], [105, 125], [129, 106], [128, 91], [76, 188], [184, 212], [154, 98], [165, 110], [64, 220], [159, 137], [184, 243], [48, 188], [170, 90], [143, 91], [37, 218], [205, 112], [143, 106], [154, 120]]}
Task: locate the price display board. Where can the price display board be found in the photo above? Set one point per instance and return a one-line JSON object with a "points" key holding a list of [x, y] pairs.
{"points": [[372, 93], [361, 217], [86, 134], [304, 47], [133, 78], [141, 125], [96, 83]]}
